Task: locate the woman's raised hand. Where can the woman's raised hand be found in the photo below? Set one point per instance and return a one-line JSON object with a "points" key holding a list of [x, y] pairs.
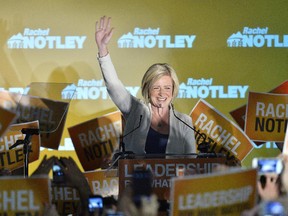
{"points": [[103, 34]]}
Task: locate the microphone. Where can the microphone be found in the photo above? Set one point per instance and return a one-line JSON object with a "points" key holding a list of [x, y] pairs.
{"points": [[204, 146], [29, 132], [122, 144], [123, 153]]}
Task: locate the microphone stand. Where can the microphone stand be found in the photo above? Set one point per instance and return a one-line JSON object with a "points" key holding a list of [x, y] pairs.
{"points": [[26, 147], [123, 154], [204, 146]]}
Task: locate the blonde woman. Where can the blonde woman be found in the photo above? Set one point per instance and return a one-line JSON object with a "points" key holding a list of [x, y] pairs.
{"points": [[157, 127]]}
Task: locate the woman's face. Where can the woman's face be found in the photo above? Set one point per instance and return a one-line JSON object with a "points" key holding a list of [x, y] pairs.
{"points": [[161, 92]]}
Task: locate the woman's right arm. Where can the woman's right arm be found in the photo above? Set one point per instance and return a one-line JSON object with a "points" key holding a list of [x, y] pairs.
{"points": [[117, 91]]}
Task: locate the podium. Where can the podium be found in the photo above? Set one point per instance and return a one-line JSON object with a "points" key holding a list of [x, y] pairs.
{"points": [[163, 169]]}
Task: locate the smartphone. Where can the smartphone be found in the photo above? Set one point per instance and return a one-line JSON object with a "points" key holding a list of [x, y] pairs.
{"points": [[273, 208], [95, 204], [141, 185], [268, 165], [58, 175]]}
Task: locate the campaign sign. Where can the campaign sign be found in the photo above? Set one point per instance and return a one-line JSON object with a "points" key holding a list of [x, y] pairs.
{"points": [[223, 193], [6, 118], [239, 113], [103, 182], [14, 158], [223, 134], [66, 199], [266, 116], [96, 140], [24, 196], [285, 145]]}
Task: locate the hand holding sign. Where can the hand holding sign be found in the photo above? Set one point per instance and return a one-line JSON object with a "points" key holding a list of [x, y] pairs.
{"points": [[76, 179]]}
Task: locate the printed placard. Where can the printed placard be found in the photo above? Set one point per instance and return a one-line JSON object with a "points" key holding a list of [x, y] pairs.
{"points": [[163, 170], [6, 118], [223, 135], [266, 116], [285, 145], [228, 193], [103, 182], [96, 140], [14, 158], [66, 199], [239, 113], [24, 196]]}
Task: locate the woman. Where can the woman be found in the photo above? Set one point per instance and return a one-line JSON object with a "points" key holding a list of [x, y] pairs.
{"points": [[152, 126]]}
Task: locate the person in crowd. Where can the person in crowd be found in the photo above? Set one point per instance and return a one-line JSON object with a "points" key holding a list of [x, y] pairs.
{"points": [[73, 178], [272, 191], [152, 125], [149, 205]]}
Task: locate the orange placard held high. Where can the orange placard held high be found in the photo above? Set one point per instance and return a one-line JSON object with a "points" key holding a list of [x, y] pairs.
{"points": [[14, 158], [6, 118], [223, 135], [266, 116], [103, 182], [96, 139], [285, 145], [27, 196], [218, 194], [239, 113]]}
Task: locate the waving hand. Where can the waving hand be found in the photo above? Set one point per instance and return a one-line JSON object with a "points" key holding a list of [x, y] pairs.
{"points": [[103, 34]]}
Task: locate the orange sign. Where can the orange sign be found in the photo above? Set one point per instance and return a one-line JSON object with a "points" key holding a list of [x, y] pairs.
{"points": [[103, 182], [239, 114], [24, 196], [66, 199], [6, 118], [96, 139], [14, 158], [163, 170], [223, 134], [266, 116], [285, 145], [214, 194]]}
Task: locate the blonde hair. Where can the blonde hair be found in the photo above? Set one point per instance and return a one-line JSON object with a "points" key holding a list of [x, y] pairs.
{"points": [[155, 72]]}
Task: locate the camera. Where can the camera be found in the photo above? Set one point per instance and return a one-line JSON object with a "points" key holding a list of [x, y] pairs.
{"points": [[268, 165], [95, 204], [58, 175]]}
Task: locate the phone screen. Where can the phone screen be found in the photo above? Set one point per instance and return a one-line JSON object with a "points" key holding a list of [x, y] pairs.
{"points": [[268, 165], [58, 175], [274, 208], [95, 203]]}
